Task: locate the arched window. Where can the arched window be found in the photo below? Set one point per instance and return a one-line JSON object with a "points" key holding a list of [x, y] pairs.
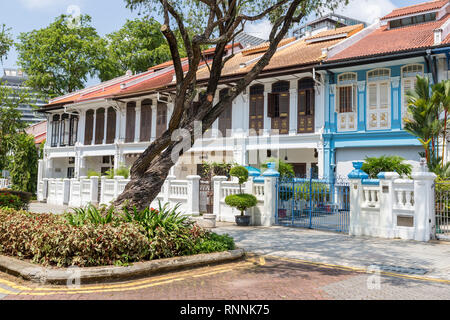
{"points": [[89, 128], [225, 119], [73, 134], [99, 126], [346, 93], [55, 130], [378, 99], [131, 122], [111, 126], [278, 107], [146, 120], [256, 113], [65, 130], [306, 102], [409, 80]]}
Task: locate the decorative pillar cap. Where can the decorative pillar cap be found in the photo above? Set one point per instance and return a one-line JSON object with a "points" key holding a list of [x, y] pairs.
{"points": [[253, 172], [271, 171], [388, 175], [357, 173]]}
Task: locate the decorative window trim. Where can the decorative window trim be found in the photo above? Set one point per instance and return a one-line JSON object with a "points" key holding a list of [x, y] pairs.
{"points": [[378, 74], [412, 74], [347, 78]]}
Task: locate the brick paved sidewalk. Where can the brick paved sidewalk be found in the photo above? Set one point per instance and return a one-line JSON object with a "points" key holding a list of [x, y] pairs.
{"points": [[342, 249]]}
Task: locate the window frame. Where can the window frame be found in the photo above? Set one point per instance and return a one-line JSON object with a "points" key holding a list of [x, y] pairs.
{"points": [[378, 81], [352, 84], [408, 76]]}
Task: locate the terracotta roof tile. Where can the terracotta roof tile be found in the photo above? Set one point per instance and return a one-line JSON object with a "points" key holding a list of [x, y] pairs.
{"points": [[384, 40], [417, 8], [344, 30], [264, 46]]}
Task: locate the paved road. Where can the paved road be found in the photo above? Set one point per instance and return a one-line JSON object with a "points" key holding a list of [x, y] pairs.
{"points": [[342, 249], [255, 278]]}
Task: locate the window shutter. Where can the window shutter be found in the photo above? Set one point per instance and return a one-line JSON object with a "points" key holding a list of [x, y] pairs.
{"points": [[111, 127], [372, 94], [384, 95]]}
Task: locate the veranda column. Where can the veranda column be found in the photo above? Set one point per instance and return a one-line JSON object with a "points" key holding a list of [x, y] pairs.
{"points": [[293, 108], [105, 126], [154, 115], [267, 120], [94, 127], [137, 126], [81, 127]]}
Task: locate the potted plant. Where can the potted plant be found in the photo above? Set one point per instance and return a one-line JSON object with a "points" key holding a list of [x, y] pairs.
{"points": [[241, 201]]}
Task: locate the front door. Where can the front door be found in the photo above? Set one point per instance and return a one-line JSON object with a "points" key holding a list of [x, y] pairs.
{"points": [[306, 111]]}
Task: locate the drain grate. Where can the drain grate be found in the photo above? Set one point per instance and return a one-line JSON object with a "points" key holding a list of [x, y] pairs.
{"points": [[399, 269]]}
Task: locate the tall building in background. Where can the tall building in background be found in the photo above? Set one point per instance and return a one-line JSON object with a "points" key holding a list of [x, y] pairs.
{"points": [[328, 22], [15, 78]]}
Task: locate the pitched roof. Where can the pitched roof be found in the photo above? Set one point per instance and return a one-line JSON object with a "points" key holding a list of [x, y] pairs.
{"points": [[344, 31], [417, 8], [384, 40]]}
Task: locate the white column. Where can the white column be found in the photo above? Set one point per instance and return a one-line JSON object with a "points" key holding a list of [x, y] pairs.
{"points": [[154, 114], [267, 120], [105, 126], [355, 207], [66, 191], [167, 183], [387, 222], [424, 206], [81, 127], [193, 203], [94, 127], [270, 199], [137, 126], [293, 106], [44, 190]]}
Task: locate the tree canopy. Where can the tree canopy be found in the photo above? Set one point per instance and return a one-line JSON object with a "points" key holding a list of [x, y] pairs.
{"points": [[59, 59], [6, 42]]}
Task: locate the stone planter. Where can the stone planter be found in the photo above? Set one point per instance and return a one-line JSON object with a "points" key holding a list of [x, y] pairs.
{"points": [[209, 220], [242, 221]]}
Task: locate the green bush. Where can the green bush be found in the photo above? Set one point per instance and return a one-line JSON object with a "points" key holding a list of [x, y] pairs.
{"points": [[121, 172], [213, 242], [25, 197], [240, 172], [241, 201], [8, 200], [93, 173], [373, 166], [48, 239], [91, 214]]}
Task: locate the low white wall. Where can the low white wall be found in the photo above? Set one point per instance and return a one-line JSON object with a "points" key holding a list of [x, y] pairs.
{"points": [[396, 208]]}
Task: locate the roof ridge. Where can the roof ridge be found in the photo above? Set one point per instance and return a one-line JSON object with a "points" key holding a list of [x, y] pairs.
{"points": [[417, 5]]}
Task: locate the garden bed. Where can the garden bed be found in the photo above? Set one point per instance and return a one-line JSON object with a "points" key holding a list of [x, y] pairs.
{"points": [[92, 237]]}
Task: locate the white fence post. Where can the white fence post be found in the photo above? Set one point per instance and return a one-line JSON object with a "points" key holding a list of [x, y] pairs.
{"points": [[43, 196], [193, 200], [424, 215], [94, 190], [355, 178], [271, 177], [217, 181], [166, 198], [66, 191], [387, 199]]}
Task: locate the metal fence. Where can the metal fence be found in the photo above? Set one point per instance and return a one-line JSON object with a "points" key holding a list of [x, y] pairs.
{"points": [[313, 203], [442, 200]]}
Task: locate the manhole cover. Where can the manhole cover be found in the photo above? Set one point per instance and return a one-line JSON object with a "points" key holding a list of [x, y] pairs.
{"points": [[399, 269]]}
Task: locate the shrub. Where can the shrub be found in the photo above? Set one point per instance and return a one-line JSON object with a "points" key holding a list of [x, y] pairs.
{"points": [[8, 200], [121, 172], [240, 172], [213, 242], [93, 173], [373, 166], [241, 201], [25, 197], [48, 240], [91, 214]]}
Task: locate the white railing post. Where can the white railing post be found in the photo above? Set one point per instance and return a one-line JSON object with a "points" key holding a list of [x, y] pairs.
{"points": [[217, 182], [271, 177], [44, 190], [102, 190], [424, 207], [94, 190], [387, 201], [66, 191], [193, 200], [167, 191], [356, 194]]}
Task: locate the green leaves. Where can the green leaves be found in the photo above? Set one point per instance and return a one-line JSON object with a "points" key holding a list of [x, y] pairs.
{"points": [[373, 166], [23, 163], [6, 42], [58, 59], [241, 201]]}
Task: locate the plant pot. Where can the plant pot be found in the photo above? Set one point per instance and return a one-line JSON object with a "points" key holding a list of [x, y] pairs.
{"points": [[242, 221], [209, 220]]}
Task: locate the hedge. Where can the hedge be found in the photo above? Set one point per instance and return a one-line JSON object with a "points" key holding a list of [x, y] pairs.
{"points": [[25, 197]]}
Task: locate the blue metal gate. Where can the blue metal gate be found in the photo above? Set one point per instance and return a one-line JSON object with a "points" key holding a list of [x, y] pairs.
{"points": [[313, 203]]}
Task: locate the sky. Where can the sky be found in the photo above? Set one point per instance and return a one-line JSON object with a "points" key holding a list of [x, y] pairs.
{"points": [[110, 15]]}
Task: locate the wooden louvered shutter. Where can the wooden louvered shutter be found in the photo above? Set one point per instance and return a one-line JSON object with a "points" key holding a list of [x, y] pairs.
{"points": [[111, 129], [146, 120], [161, 119], [271, 104], [130, 122], [89, 127], [99, 126]]}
